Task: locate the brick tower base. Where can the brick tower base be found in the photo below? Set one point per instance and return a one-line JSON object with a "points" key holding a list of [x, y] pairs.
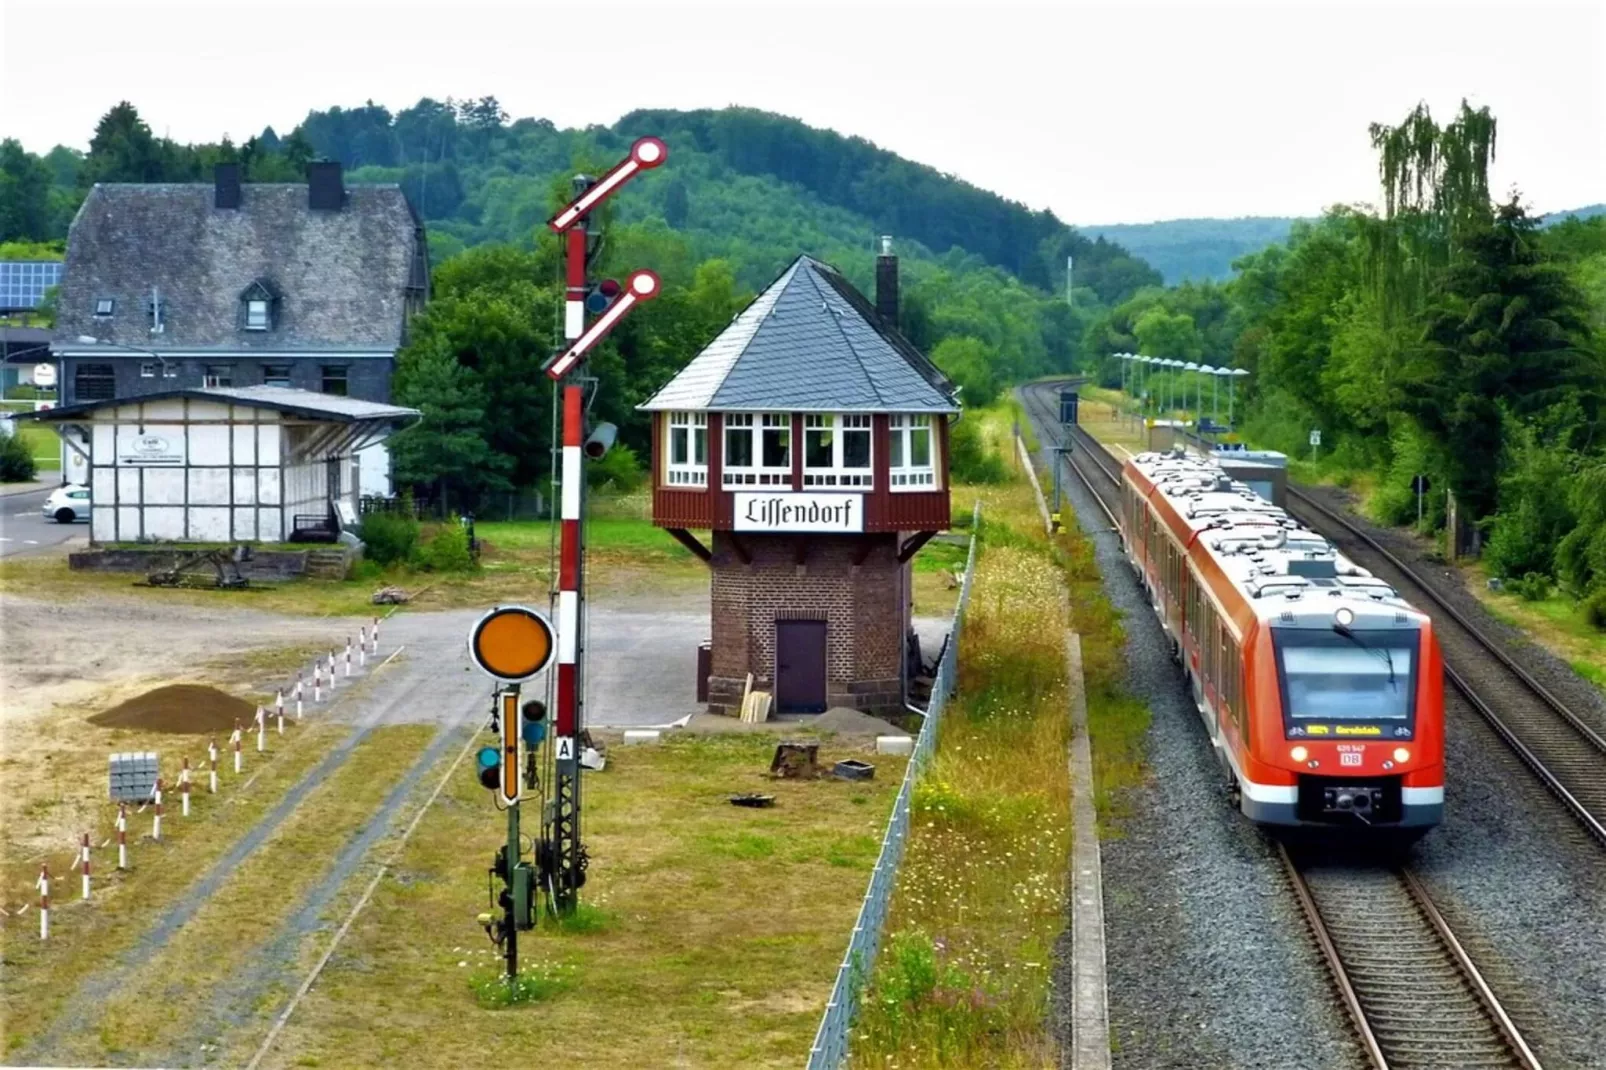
{"points": [[854, 583]]}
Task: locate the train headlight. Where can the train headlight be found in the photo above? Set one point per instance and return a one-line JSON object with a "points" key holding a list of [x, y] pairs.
{"points": [[1299, 754], [1401, 754], [1344, 617]]}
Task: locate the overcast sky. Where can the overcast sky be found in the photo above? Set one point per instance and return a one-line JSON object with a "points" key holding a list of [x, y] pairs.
{"points": [[1103, 112]]}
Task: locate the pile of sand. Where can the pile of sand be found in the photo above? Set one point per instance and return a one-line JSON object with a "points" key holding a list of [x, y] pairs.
{"points": [[849, 722], [179, 708]]}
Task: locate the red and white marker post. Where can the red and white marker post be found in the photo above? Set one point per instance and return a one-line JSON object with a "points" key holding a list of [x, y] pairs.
{"points": [[83, 861], [298, 696], [362, 646], [44, 900], [184, 789], [235, 739], [375, 634], [211, 763], [317, 683], [278, 709], [122, 835], [156, 822], [348, 657], [262, 730]]}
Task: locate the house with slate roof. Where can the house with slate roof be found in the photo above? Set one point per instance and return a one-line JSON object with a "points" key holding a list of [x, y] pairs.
{"points": [[811, 439], [172, 286]]}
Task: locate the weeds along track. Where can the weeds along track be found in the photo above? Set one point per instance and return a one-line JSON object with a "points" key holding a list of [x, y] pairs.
{"points": [[1417, 1000], [1562, 750]]}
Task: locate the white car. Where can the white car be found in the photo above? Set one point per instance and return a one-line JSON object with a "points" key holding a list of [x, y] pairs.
{"points": [[67, 504]]}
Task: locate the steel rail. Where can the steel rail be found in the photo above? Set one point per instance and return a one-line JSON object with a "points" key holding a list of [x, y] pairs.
{"points": [[1030, 393], [1378, 1026], [1335, 962]]}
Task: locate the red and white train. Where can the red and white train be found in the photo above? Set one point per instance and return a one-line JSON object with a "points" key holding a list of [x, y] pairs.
{"points": [[1322, 689]]}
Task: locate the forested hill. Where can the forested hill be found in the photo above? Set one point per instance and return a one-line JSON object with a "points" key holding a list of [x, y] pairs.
{"points": [[745, 184], [1197, 249], [1202, 249]]}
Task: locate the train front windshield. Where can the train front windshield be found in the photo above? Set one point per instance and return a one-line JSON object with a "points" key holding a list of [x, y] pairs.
{"points": [[1332, 677]]}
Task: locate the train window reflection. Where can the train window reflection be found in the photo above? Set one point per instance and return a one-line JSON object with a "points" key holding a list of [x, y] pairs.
{"points": [[1334, 679]]}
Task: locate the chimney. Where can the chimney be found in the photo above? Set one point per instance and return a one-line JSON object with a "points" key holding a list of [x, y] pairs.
{"points": [[326, 191], [226, 184], [886, 284]]}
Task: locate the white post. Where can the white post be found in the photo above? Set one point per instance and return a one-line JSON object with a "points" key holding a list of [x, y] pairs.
{"points": [[362, 647], [317, 682], [348, 657], [376, 635], [44, 900], [122, 835], [184, 789], [84, 859], [156, 822], [211, 758], [278, 708], [298, 695], [332, 672], [235, 739], [262, 729]]}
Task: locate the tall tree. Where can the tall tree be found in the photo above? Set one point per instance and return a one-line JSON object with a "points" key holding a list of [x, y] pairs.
{"points": [[24, 194], [123, 150], [1506, 337]]}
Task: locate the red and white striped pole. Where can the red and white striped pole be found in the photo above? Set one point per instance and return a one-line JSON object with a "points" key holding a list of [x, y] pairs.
{"points": [[44, 900], [184, 789], [235, 739], [317, 682], [211, 762], [375, 635], [122, 835], [278, 709], [262, 729], [83, 859], [331, 672], [298, 695], [348, 657], [156, 822]]}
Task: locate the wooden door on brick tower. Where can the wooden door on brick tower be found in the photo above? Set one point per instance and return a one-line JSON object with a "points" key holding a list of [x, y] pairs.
{"points": [[800, 666]]}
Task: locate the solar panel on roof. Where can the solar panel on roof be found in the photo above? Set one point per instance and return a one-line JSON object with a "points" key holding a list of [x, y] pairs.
{"points": [[23, 282]]}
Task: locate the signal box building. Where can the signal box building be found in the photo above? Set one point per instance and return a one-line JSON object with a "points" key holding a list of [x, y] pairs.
{"points": [[810, 439]]}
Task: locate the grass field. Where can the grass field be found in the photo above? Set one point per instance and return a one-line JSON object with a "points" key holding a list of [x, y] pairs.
{"points": [[710, 939], [1556, 623], [42, 442]]}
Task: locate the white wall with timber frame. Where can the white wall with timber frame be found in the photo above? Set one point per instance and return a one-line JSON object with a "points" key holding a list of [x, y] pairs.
{"points": [[192, 470]]}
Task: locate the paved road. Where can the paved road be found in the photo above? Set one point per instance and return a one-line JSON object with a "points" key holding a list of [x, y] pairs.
{"points": [[23, 530]]}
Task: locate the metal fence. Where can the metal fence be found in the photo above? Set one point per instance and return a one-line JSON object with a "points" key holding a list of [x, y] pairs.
{"points": [[831, 1040]]}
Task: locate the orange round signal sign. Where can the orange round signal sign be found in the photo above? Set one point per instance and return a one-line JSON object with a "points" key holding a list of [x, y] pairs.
{"points": [[511, 643]]}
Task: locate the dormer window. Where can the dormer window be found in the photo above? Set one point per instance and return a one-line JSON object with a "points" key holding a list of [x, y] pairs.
{"points": [[259, 306], [105, 306]]}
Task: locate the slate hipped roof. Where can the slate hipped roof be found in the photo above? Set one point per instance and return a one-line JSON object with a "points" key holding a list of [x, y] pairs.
{"points": [[343, 278], [809, 342]]}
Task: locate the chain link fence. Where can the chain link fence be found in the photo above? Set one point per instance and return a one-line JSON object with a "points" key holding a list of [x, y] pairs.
{"points": [[830, 1047]]}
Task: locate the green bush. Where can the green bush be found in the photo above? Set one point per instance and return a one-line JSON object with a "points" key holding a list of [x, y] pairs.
{"points": [[1595, 610], [391, 538], [16, 460], [969, 460], [448, 550], [619, 469], [1532, 587]]}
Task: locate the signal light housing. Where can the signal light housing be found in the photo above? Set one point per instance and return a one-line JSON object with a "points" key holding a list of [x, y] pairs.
{"points": [[489, 760]]}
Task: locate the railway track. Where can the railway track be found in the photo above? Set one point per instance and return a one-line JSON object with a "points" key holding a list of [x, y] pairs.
{"points": [[1416, 998], [1563, 751]]}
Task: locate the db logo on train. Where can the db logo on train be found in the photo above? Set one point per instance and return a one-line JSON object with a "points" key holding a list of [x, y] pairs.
{"points": [[1350, 755]]}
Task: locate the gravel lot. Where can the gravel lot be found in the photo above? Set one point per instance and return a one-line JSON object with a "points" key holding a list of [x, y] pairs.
{"points": [[1209, 962]]}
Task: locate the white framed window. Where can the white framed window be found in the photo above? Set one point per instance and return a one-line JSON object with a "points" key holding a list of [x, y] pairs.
{"points": [[147, 370], [911, 453], [687, 450], [104, 306], [256, 315], [218, 375], [758, 450], [836, 450]]}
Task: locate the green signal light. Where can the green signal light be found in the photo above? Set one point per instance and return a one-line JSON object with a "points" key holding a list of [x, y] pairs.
{"points": [[489, 757]]}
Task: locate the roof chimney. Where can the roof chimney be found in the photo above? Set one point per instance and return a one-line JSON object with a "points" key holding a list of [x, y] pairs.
{"points": [[326, 191], [226, 184], [886, 284]]}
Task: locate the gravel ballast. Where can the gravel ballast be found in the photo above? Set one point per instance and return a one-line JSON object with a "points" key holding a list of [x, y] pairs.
{"points": [[1209, 961]]}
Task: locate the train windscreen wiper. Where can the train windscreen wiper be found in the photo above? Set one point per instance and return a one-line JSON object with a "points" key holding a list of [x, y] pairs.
{"points": [[1382, 652]]}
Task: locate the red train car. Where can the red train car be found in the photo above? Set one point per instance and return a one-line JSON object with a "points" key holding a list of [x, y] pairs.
{"points": [[1322, 689]]}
